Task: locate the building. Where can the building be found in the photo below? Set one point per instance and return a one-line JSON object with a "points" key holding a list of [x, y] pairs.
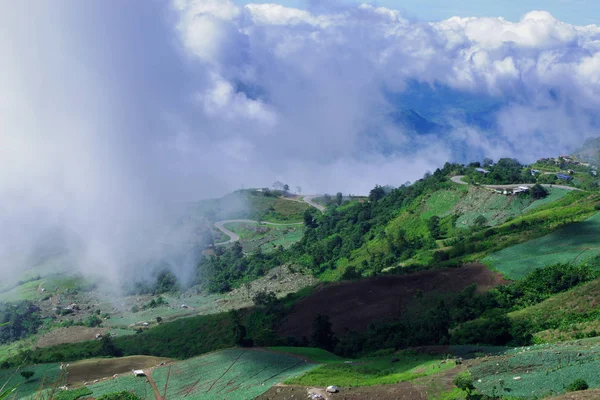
{"points": [[564, 177], [481, 170]]}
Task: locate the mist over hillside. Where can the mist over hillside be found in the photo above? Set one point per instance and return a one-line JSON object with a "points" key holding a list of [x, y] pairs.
{"points": [[107, 126]]}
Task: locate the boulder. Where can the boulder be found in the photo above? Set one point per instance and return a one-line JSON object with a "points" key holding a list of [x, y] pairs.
{"points": [[332, 389]]}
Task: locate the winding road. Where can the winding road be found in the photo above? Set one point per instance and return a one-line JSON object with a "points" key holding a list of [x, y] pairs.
{"points": [[234, 237], [458, 179], [309, 200]]}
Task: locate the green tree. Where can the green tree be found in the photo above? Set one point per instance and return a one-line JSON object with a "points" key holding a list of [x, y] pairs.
{"points": [[27, 375], [577, 385], [322, 335], [537, 192], [433, 224], [124, 395], [159, 320], [338, 198]]}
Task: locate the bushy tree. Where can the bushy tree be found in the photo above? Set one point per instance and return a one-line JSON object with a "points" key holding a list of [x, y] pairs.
{"points": [[322, 335], [577, 385], [27, 375]]}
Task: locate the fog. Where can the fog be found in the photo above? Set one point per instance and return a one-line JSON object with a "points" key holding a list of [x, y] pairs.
{"points": [[112, 119]]}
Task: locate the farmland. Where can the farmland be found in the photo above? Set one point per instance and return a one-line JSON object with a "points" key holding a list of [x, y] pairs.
{"points": [[43, 374], [539, 370], [229, 374], [575, 242]]}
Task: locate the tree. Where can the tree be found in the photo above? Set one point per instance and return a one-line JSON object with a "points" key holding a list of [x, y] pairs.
{"points": [[298, 189], [487, 162], [159, 320], [277, 185], [286, 188], [577, 384], [376, 193], [322, 335], [338, 198], [433, 224], [27, 375], [537, 192]]}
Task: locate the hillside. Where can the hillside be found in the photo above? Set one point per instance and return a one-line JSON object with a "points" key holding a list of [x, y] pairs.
{"points": [[441, 265]]}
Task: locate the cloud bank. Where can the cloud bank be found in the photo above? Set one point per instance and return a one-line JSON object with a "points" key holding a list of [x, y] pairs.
{"points": [[110, 120]]}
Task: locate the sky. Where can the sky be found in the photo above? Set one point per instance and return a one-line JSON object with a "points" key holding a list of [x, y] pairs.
{"points": [[579, 12], [112, 117]]}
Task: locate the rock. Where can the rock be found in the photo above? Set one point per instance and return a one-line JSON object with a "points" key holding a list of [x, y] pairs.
{"points": [[517, 378], [332, 389]]}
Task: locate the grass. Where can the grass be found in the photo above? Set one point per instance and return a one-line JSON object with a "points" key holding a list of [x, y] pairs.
{"points": [[229, 374], [373, 371], [542, 370], [576, 242]]}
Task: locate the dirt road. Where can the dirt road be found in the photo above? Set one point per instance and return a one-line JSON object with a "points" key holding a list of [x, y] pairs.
{"points": [[458, 179], [309, 201]]}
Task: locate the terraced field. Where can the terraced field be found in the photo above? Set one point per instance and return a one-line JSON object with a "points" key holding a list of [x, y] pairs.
{"points": [[538, 371], [230, 374], [577, 242]]}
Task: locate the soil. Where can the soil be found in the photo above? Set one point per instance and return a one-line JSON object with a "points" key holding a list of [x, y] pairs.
{"points": [[106, 368], [71, 334], [354, 305], [582, 395]]}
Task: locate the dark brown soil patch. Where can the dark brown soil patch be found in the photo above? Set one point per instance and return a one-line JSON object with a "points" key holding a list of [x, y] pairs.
{"points": [[354, 305], [99, 368]]}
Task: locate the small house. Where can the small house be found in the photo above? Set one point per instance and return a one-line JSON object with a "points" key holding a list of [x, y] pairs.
{"points": [[481, 170], [138, 372], [564, 177]]}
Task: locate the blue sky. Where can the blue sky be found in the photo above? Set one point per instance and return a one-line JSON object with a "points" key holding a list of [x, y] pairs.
{"points": [[580, 12]]}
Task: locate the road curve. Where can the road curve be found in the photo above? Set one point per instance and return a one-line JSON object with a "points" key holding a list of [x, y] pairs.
{"points": [[234, 237], [309, 201], [458, 179]]}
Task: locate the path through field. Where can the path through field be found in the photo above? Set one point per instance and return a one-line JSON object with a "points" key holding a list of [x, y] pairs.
{"points": [[157, 395]]}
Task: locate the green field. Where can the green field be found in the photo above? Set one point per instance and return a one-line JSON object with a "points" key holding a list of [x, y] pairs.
{"points": [[541, 370], [576, 242], [234, 374], [43, 373], [373, 371]]}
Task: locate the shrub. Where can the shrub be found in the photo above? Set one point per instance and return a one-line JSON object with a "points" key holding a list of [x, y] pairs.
{"points": [[27, 374], [72, 394], [576, 385], [464, 382], [124, 395]]}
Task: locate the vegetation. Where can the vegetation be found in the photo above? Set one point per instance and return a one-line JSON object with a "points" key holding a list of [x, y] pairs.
{"points": [[72, 394], [577, 385], [18, 320], [371, 371], [123, 395]]}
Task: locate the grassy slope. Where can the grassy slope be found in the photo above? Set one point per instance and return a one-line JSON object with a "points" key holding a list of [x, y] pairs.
{"points": [[574, 243], [567, 315], [373, 371]]}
